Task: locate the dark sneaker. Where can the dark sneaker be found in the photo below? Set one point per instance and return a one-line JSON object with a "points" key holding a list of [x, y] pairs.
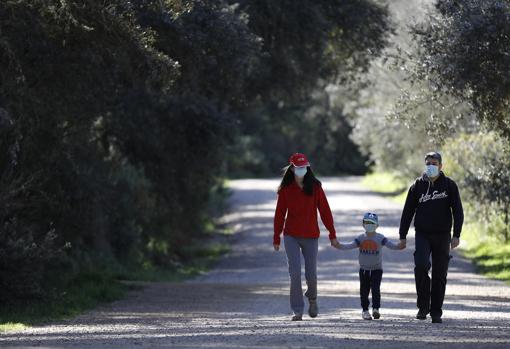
{"points": [[422, 314], [376, 314], [297, 317], [313, 308], [437, 320]]}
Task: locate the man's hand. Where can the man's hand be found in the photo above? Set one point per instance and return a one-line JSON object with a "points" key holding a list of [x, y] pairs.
{"points": [[402, 244], [335, 243], [276, 247], [455, 242]]}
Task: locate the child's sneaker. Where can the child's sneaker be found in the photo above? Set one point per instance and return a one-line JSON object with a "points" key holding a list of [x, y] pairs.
{"points": [[376, 314], [366, 315], [297, 317]]}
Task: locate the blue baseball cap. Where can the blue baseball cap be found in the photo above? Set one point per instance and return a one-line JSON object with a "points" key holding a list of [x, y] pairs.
{"points": [[371, 217]]}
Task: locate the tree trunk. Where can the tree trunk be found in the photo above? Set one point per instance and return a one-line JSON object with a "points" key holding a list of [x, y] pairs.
{"points": [[506, 222]]}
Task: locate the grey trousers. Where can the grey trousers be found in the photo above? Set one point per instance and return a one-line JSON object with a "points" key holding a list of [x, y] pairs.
{"points": [[294, 247]]}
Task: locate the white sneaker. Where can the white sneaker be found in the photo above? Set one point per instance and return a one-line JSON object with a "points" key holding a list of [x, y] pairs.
{"points": [[375, 313], [366, 315]]}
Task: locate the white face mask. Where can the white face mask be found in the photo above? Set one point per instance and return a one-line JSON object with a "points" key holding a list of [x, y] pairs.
{"points": [[300, 171], [370, 228], [432, 170]]}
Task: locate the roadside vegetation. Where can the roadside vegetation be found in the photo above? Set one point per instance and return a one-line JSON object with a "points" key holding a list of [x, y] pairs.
{"points": [[120, 120]]}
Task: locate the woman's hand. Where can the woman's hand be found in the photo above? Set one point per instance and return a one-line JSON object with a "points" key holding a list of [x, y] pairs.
{"points": [[335, 243], [276, 247]]}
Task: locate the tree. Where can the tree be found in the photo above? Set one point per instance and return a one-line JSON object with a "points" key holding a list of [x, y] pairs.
{"points": [[465, 54], [400, 116], [308, 45], [109, 113]]}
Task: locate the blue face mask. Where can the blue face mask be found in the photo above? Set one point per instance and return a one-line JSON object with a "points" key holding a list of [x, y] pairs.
{"points": [[432, 170], [300, 171], [370, 228]]}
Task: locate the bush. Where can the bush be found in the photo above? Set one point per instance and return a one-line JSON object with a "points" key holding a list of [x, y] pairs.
{"points": [[26, 260], [479, 163]]}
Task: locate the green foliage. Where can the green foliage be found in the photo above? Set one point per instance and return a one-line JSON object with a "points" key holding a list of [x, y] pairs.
{"points": [[91, 287], [479, 162], [307, 47], [61, 57], [388, 184], [320, 130], [464, 54], [393, 146], [312, 43], [11, 326], [488, 253], [105, 135], [118, 120], [394, 129], [24, 261], [86, 290]]}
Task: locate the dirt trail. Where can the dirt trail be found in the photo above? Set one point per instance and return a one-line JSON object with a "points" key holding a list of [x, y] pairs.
{"points": [[243, 302]]}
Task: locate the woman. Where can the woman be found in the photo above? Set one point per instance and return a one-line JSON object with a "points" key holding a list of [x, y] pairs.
{"points": [[300, 194]]}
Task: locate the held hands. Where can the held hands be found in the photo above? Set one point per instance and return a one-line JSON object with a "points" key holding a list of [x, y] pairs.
{"points": [[455, 242], [335, 243], [402, 244]]}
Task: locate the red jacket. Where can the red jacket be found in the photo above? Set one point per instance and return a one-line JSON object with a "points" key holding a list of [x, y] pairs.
{"points": [[301, 212]]}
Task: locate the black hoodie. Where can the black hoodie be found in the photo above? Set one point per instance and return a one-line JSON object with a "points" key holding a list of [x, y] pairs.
{"points": [[433, 204]]}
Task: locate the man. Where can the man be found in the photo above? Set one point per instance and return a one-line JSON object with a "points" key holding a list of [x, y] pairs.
{"points": [[433, 200]]}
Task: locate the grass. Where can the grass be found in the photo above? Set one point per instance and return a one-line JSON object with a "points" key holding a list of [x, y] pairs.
{"points": [[203, 258], [387, 184], [11, 326], [490, 256], [88, 290]]}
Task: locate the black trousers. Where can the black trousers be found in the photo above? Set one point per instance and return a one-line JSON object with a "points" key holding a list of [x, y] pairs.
{"points": [[430, 295], [370, 280]]}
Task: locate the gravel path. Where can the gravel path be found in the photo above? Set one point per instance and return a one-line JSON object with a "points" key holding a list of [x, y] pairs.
{"points": [[243, 302]]}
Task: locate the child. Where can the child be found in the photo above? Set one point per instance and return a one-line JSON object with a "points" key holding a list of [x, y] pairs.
{"points": [[370, 261]]}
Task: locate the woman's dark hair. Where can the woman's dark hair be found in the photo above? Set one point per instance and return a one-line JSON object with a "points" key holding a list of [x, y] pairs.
{"points": [[308, 181]]}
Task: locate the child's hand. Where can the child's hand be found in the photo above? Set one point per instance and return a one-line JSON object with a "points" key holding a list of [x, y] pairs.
{"points": [[401, 244], [334, 243], [337, 245]]}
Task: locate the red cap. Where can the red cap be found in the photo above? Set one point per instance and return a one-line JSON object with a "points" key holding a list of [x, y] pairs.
{"points": [[299, 160]]}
